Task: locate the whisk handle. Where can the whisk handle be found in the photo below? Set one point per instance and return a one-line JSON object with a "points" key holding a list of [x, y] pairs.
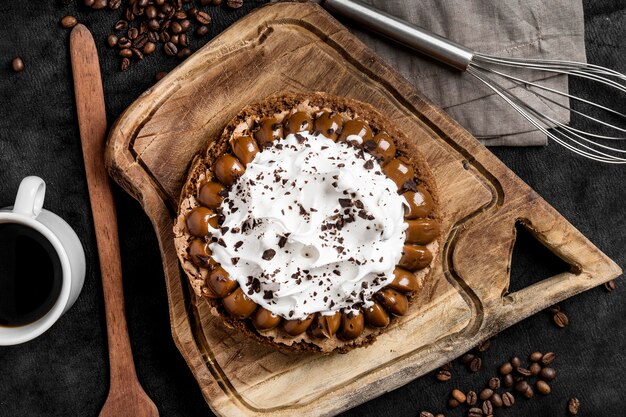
{"points": [[414, 37]]}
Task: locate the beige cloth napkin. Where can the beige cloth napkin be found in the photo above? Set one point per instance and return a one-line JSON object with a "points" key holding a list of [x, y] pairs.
{"points": [[551, 29]]}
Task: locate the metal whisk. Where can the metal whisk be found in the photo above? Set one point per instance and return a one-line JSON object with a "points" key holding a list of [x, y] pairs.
{"points": [[490, 71]]}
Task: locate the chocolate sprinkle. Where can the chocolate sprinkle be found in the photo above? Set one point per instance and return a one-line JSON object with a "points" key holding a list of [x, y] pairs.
{"points": [[268, 254]]}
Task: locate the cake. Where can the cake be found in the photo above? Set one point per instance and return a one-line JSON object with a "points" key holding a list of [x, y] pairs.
{"points": [[310, 224]]}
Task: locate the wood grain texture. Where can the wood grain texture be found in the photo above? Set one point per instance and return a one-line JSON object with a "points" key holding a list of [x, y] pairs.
{"points": [[300, 48], [126, 396]]}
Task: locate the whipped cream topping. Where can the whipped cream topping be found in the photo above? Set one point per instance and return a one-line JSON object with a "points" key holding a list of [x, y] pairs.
{"points": [[311, 226]]}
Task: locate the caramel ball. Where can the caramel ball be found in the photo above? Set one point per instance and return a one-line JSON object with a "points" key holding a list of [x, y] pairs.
{"points": [[296, 327], [393, 301], [399, 170], [264, 319], [268, 130], [325, 326], [376, 316], [420, 203], [245, 148], [404, 281], [298, 122], [200, 253], [199, 220], [221, 283], [228, 169], [381, 147], [210, 194], [238, 305], [415, 257], [328, 123], [351, 326], [422, 231], [356, 127]]}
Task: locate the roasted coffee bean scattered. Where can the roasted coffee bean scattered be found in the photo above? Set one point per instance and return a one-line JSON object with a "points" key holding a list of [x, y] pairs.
{"points": [[487, 408], [467, 358], [523, 371], [112, 40], [547, 374], [496, 400], [506, 368], [507, 381], [485, 394], [554, 309], [68, 22], [516, 362], [474, 412], [573, 406], [609, 286], [475, 364], [508, 400], [484, 346], [452, 403], [542, 387], [535, 368], [17, 64], [124, 64], [548, 358], [560, 319], [234, 4], [426, 414], [443, 375], [494, 383], [472, 398], [458, 395], [447, 366], [536, 356]]}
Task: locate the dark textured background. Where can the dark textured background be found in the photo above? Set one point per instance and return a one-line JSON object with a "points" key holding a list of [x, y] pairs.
{"points": [[64, 372]]}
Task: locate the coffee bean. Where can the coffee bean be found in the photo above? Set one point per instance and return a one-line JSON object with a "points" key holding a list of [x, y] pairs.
{"points": [[521, 386], [529, 393], [487, 407], [203, 18], [128, 15], [121, 25], [507, 381], [99, 4], [440, 415], [115, 4], [475, 365], [138, 10], [496, 400], [176, 28], [159, 2], [467, 358], [452, 403], [547, 374], [518, 378], [148, 48], [180, 15], [89, 3], [182, 40], [474, 412], [573, 406], [164, 37], [516, 362], [112, 40], [170, 49], [216, 2], [234, 4], [153, 37], [542, 387], [472, 398], [137, 53], [17, 64], [159, 75], [506, 368], [535, 368], [426, 414], [554, 309], [125, 53], [560, 319], [609, 286], [508, 400], [494, 383], [142, 3], [125, 64], [124, 43], [201, 31], [485, 394], [536, 356], [548, 358], [68, 22], [140, 41], [443, 375], [185, 24], [484, 346], [174, 39], [523, 372], [132, 33], [458, 395], [447, 366]]}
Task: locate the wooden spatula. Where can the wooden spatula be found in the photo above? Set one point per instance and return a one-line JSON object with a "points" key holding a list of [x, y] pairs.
{"points": [[126, 396]]}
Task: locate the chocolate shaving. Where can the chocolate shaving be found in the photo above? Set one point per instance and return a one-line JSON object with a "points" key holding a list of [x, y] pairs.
{"points": [[369, 164], [268, 254], [268, 294], [234, 260], [282, 241]]}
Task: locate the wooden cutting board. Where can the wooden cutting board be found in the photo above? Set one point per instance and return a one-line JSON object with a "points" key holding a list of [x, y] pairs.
{"points": [[301, 48]]}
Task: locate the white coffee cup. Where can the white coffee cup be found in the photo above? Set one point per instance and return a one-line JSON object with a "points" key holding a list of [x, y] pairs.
{"points": [[28, 211]]}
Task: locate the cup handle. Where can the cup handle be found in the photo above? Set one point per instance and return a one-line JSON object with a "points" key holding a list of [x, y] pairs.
{"points": [[30, 196]]}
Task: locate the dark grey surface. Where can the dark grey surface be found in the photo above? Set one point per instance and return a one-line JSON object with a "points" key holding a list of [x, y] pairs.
{"points": [[64, 372]]}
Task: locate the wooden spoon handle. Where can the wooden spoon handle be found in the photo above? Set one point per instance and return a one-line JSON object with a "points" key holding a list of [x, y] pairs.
{"points": [[93, 125]]}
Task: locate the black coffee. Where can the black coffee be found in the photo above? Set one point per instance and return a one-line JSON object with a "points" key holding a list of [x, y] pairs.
{"points": [[30, 275]]}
